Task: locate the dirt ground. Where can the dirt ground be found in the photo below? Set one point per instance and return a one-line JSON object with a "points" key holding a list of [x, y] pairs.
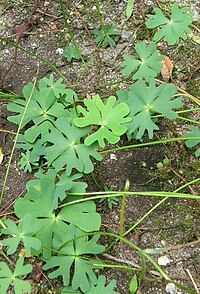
{"points": [[175, 223]]}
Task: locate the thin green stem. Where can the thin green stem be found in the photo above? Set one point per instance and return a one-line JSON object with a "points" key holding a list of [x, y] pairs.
{"points": [[15, 142], [162, 141], [71, 33], [151, 210], [189, 120], [114, 266], [110, 194], [188, 110], [54, 68], [9, 132], [157, 205], [178, 112], [9, 96], [112, 84], [194, 99], [2, 224], [121, 222], [101, 22]]}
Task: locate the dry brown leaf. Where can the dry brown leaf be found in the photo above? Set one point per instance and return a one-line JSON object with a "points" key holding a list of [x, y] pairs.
{"points": [[167, 68]]}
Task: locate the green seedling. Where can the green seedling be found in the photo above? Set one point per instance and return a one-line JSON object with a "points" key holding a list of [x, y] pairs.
{"points": [[104, 40], [164, 164], [70, 53], [112, 201]]}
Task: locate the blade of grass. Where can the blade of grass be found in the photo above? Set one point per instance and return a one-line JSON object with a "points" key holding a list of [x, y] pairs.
{"points": [[15, 141], [110, 194], [121, 221], [162, 141]]}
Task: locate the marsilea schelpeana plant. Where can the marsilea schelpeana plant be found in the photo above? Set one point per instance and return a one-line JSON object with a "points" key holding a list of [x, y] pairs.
{"points": [[59, 145]]}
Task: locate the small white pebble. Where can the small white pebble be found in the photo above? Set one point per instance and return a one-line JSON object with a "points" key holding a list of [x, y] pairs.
{"points": [[170, 288], [113, 156], [60, 50], [94, 8], [164, 260], [46, 3]]}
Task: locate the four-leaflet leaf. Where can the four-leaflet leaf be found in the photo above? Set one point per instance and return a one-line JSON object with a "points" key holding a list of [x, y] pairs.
{"points": [[144, 101], [8, 277], [39, 203], [24, 232], [103, 40], [148, 65], [67, 151], [108, 116], [70, 253], [174, 28]]}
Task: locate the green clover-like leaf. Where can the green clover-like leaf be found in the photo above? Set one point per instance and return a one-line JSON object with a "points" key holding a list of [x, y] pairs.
{"points": [[36, 149], [110, 118], [146, 100], [102, 40], [24, 232], [70, 53], [28, 160], [191, 143], [67, 149], [42, 106], [33, 152], [57, 87], [8, 277], [64, 185], [39, 203], [83, 215], [70, 253], [172, 29], [148, 65], [100, 288]]}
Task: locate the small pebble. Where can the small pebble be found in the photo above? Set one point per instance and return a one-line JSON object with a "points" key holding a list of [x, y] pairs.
{"points": [[113, 157], [125, 35], [170, 288], [163, 260]]}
